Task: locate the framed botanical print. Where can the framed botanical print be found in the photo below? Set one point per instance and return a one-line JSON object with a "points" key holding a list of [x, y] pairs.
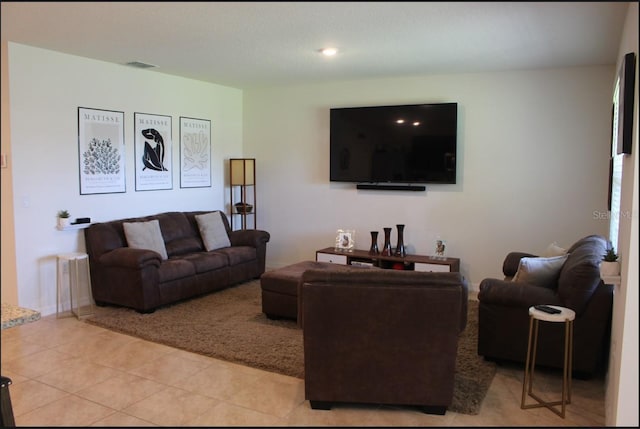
{"points": [[101, 151], [195, 153]]}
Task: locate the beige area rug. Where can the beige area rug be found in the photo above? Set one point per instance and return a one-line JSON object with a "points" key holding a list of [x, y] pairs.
{"points": [[230, 325]]}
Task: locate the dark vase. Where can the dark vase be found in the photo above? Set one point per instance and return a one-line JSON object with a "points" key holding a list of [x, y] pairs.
{"points": [[373, 250], [400, 251], [386, 249]]}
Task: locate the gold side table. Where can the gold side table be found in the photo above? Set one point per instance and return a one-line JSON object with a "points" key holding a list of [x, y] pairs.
{"points": [[73, 260], [567, 317]]}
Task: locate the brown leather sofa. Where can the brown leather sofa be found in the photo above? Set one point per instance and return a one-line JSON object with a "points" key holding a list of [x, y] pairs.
{"points": [[382, 337], [142, 280], [504, 317]]}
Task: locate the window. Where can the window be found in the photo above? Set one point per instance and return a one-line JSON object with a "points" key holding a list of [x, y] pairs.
{"points": [[616, 170]]}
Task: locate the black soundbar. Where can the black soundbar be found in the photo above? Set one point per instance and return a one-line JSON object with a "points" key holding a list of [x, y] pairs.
{"points": [[372, 186]]}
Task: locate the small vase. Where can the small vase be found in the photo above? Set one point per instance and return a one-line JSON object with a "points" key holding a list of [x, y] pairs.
{"points": [[386, 249], [400, 251], [610, 268], [373, 250], [63, 222]]}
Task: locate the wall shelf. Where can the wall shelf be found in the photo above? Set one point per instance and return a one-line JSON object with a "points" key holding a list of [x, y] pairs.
{"points": [[611, 280], [73, 227]]}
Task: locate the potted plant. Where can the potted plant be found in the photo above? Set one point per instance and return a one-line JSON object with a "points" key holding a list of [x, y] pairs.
{"points": [[63, 218], [610, 266]]}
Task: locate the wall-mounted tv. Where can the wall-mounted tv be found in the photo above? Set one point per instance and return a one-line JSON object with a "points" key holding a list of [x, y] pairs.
{"points": [[394, 144]]}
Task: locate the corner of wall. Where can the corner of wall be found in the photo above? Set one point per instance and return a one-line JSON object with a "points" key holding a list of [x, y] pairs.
{"points": [[8, 277]]}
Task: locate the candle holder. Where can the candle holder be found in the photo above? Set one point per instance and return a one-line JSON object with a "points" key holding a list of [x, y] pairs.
{"points": [[373, 250], [400, 250]]}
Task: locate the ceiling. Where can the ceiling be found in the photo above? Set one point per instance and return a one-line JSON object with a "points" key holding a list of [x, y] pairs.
{"points": [[255, 44]]}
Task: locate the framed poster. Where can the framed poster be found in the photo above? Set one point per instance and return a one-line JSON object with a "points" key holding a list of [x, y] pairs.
{"points": [[195, 153], [101, 151], [152, 152]]}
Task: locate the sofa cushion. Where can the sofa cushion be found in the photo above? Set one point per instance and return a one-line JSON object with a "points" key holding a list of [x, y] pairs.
{"points": [[553, 250], [184, 246], [207, 261], [145, 235], [175, 269], [512, 262], [541, 272], [238, 254], [212, 230], [580, 275], [180, 235]]}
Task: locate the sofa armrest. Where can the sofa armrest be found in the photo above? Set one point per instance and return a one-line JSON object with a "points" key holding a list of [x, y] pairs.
{"points": [[515, 294], [512, 261], [130, 258], [249, 237], [253, 238]]}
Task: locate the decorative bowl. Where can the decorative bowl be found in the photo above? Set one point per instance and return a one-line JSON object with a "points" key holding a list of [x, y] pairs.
{"points": [[243, 208]]}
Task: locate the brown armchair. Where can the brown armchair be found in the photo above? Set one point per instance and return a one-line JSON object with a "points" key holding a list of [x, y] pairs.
{"points": [[382, 337], [503, 324]]}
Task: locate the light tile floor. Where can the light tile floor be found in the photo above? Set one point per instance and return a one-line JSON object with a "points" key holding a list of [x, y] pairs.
{"points": [[68, 373]]}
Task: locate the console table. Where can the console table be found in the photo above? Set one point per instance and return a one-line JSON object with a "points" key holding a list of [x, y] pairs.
{"points": [[408, 262]]}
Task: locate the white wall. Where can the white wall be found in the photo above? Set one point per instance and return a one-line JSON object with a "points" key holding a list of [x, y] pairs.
{"points": [[532, 165], [531, 169], [622, 378], [46, 89]]}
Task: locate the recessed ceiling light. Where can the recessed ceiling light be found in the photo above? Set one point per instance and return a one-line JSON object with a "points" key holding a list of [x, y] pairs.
{"points": [[328, 52]]}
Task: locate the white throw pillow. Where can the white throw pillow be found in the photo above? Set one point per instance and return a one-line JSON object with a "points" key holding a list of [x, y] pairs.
{"points": [[553, 250], [212, 230], [145, 235], [542, 272]]}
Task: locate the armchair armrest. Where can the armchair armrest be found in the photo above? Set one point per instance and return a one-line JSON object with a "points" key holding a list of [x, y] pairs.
{"points": [[512, 260], [515, 294], [127, 257]]}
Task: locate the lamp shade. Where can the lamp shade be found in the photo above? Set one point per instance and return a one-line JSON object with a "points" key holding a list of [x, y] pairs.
{"points": [[242, 171]]}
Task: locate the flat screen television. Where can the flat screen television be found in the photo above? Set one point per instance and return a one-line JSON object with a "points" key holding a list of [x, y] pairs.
{"points": [[394, 144]]}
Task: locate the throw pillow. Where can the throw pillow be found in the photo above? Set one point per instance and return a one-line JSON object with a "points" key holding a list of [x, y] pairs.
{"points": [[543, 272], [212, 230], [553, 250], [145, 235]]}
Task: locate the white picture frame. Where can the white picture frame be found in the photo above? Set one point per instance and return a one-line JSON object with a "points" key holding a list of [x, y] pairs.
{"points": [[101, 151], [345, 240]]}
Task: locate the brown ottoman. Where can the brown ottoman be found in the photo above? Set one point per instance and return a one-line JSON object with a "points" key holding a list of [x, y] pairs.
{"points": [[280, 288]]}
